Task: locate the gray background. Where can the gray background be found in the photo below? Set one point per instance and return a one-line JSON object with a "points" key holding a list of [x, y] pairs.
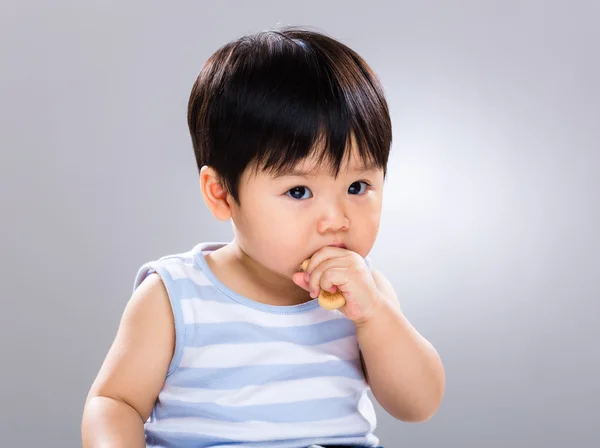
{"points": [[491, 216]]}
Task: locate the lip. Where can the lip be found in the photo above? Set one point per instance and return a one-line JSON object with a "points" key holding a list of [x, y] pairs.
{"points": [[340, 245]]}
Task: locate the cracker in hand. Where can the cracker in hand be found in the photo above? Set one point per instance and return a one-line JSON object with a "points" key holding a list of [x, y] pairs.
{"points": [[328, 300]]}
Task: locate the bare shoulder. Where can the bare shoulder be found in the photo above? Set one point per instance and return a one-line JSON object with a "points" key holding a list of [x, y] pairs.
{"points": [[151, 297], [149, 309], [137, 362]]}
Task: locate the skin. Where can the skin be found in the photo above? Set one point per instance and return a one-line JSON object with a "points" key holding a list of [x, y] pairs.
{"points": [[279, 222]]}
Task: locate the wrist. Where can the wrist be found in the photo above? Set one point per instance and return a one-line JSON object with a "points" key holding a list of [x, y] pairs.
{"points": [[379, 307]]}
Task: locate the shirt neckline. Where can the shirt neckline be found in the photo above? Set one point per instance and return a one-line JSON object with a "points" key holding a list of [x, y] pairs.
{"points": [[199, 253]]}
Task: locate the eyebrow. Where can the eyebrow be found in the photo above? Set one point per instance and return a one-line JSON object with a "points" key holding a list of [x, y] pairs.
{"points": [[295, 172]]}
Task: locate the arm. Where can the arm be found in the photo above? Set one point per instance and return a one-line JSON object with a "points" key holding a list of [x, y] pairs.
{"points": [[403, 369], [125, 390]]}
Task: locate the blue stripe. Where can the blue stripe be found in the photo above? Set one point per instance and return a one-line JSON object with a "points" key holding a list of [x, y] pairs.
{"points": [[237, 377], [165, 439], [244, 332], [295, 412]]}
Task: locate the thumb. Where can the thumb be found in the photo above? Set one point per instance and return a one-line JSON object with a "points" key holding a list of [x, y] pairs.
{"points": [[299, 279]]}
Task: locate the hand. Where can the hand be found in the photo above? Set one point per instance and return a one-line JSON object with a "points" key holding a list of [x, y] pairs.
{"points": [[335, 268]]}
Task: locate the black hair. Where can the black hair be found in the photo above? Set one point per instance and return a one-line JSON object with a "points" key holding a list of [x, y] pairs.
{"points": [[269, 99]]}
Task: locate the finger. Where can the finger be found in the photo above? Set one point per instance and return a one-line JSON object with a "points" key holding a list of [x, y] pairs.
{"points": [[323, 254], [315, 277], [335, 278], [300, 279]]}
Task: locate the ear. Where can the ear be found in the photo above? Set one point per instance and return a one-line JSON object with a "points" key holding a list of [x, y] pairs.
{"points": [[216, 197]]}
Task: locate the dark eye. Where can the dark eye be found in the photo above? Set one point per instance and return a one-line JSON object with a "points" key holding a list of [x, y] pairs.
{"points": [[358, 187], [299, 193]]}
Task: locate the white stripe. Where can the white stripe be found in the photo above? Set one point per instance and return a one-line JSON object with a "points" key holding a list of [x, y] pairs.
{"points": [[200, 311], [272, 393], [258, 431], [268, 353], [366, 409], [180, 271]]}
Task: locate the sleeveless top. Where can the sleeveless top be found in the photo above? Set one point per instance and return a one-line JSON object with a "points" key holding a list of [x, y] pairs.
{"points": [[247, 374]]}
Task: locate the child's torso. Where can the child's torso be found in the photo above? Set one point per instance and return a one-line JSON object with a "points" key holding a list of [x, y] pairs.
{"points": [[249, 374]]}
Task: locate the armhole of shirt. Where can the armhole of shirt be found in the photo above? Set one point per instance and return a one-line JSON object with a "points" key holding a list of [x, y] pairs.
{"points": [[159, 268]]}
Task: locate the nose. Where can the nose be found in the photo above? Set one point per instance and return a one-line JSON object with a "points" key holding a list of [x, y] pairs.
{"points": [[333, 219]]}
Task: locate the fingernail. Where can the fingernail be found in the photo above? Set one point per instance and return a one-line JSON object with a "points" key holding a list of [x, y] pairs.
{"points": [[306, 277]]}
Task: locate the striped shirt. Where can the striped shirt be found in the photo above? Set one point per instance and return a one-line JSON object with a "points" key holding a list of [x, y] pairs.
{"points": [[247, 374]]}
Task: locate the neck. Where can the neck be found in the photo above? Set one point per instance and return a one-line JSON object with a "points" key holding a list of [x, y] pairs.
{"points": [[253, 280]]}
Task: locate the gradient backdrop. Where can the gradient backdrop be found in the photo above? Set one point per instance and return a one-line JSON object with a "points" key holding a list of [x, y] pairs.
{"points": [[491, 217]]}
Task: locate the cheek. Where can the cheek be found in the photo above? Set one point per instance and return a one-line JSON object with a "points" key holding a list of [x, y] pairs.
{"points": [[272, 235], [370, 229], [285, 231], [366, 228], [276, 221]]}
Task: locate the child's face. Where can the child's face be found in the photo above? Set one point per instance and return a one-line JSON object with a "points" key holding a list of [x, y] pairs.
{"points": [[284, 220]]}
